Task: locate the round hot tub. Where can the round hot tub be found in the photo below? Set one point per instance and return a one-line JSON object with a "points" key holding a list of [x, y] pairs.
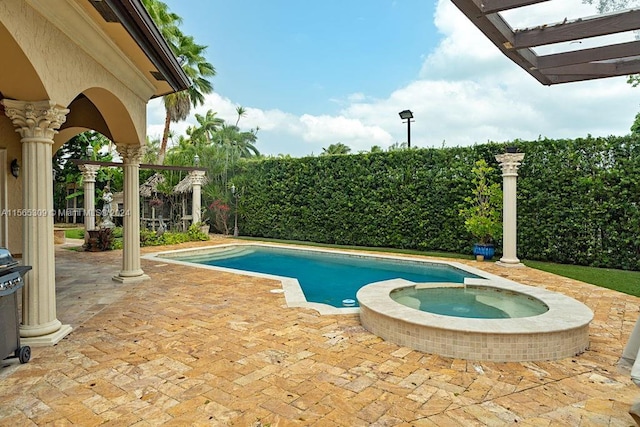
{"points": [[525, 323], [470, 301]]}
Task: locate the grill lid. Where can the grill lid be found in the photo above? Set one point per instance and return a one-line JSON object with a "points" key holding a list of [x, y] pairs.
{"points": [[6, 260]]}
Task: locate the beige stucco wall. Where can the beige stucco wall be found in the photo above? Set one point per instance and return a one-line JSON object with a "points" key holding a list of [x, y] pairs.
{"points": [[10, 140], [71, 56]]}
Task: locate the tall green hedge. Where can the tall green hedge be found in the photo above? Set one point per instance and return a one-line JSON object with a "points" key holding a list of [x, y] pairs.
{"points": [[578, 202], [577, 199]]}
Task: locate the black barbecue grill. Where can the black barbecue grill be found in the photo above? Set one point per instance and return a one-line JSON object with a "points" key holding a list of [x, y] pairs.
{"points": [[11, 274]]}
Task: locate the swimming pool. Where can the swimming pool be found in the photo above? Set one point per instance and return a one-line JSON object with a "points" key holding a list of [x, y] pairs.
{"points": [[325, 277], [560, 332]]}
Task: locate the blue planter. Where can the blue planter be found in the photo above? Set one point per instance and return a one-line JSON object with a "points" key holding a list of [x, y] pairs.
{"points": [[485, 250]]}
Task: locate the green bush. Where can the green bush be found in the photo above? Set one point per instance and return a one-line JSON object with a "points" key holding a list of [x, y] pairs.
{"points": [[151, 238], [482, 213]]}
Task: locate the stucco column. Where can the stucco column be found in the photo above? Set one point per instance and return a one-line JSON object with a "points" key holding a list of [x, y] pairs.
{"points": [[197, 179], [509, 163], [131, 271], [37, 123], [89, 173]]}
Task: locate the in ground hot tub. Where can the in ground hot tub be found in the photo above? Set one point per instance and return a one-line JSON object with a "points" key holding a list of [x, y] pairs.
{"points": [[558, 326]]}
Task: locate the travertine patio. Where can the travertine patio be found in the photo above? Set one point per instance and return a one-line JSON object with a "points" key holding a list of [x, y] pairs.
{"points": [[195, 347]]}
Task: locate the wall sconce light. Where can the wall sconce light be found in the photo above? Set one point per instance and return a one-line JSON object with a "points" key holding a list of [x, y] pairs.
{"points": [[15, 168]]}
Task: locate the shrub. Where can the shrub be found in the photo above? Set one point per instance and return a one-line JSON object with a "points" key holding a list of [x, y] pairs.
{"points": [[483, 208]]}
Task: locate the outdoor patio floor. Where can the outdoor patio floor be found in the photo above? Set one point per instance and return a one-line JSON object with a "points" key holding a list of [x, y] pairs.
{"points": [[196, 347]]}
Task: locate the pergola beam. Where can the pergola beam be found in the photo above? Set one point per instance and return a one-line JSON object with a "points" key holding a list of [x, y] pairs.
{"points": [[602, 53], [492, 6], [576, 30], [496, 29], [585, 64], [142, 165]]}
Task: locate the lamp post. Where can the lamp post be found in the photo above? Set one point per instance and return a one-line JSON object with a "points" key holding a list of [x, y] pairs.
{"points": [[407, 115], [235, 194]]}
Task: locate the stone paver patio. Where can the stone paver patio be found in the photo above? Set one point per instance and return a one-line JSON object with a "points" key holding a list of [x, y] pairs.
{"points": [[195, 347]]}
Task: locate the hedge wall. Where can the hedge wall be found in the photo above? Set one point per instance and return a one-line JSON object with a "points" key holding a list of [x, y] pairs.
{"points": [[577, 199], [578, 202]]}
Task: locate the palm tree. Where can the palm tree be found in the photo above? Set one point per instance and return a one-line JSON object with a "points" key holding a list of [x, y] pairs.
{"points": [[241, 113], [241, 143], [152, 147], [209, 125], [166, 21], [397, 146], [335, 149], [178, 105]]}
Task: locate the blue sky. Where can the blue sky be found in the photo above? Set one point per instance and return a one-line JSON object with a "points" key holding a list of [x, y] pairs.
{"points": [[314, 73]]}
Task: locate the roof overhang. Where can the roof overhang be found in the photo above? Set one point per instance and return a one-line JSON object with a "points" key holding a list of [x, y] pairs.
{"points": [[606, 60], [134, 18]]}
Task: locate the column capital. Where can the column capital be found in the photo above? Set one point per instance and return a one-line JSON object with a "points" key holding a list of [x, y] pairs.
{"points": [[509, 162], [89, 172], [35, 120], [197, 177], [130, 153]]}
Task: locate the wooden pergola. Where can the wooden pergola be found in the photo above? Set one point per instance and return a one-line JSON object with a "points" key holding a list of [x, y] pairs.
{"points": [[569, 63]]}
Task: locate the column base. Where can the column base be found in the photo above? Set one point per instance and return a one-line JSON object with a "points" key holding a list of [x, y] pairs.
{"points": [[47, 340], [506, 262], [130, 279]]}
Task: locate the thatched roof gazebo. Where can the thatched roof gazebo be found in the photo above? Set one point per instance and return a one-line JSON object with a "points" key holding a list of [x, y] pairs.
{"points": [[150, 187]]}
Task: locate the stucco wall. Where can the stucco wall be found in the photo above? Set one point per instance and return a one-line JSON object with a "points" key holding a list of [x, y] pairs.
{"points": [[72, 62], [10, 140]]}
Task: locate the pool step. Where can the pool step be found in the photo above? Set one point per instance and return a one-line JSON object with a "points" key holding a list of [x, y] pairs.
{"points": [[222, 253], [431, 285]]}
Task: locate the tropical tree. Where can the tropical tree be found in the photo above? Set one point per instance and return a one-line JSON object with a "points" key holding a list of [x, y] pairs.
{"points": [[336, 149], [168, 22], [605, 6], [178, 105], [397, 146], [151, 150], [241, 113], [241, 143], [209, 124], [635, 127]]}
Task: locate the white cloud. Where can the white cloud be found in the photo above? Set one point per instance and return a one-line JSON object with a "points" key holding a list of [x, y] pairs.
{"points": [[467, 92]]}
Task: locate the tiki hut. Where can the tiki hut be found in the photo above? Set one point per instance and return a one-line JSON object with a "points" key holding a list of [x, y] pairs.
{"points": [[152, 204]]}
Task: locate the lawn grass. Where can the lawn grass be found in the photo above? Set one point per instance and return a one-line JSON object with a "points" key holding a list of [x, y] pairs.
{"points": [[74, 233], [624, 281]]}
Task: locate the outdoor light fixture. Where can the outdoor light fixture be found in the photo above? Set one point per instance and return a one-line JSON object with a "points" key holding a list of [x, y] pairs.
{"points": [[196, 160], [15, 168], [407, 115], [235, 223], [89, 152]]}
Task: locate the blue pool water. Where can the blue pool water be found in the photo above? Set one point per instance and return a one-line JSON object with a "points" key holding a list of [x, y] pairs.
{"points": [[328, 278]]}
